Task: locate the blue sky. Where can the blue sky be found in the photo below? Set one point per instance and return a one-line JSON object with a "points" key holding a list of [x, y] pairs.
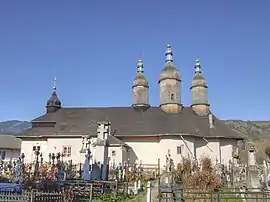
{"points": [[92, 48]]}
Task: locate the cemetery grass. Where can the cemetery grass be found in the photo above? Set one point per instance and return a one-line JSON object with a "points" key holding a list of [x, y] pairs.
{"points": [[207, 198], [110, 198], [122, 198]]}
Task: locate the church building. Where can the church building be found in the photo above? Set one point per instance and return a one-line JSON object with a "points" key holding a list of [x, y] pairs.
{"points": [[138, 133]]}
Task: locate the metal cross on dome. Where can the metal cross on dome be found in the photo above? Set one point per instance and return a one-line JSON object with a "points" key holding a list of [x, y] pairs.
{"points": [[54, 84]]}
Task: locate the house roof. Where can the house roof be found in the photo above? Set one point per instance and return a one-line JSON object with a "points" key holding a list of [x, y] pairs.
{"points": [[126, 121], [115, 141], [9, 142]]}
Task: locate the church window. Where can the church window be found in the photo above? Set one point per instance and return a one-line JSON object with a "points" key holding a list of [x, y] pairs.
{"points": [[67, 151], [179, 150], [172, 96], [113, 153]]}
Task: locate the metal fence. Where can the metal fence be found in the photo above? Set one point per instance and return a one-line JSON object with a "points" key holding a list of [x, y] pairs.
{"points": [[72, 191], [219, 195], [32, 196], [14, 198], [46, 197]]}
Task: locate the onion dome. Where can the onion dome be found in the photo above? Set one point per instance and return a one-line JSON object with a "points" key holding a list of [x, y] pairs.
{"points": [[140, 79], [198, 79], [140, 90], [199, 94], [54, 103], [169, 71]]}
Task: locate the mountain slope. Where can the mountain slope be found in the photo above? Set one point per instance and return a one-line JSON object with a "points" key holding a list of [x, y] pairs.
{"points": [[252, 129], [14, 126]]}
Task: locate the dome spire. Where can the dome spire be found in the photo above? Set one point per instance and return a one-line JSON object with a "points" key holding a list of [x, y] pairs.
{"points": [[140, 67], [169, 54], [198, 66], [54, 84]]}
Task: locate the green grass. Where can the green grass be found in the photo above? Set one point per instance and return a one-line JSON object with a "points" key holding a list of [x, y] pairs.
{"points": [[207, 198], [119, 198], [122, 198]]}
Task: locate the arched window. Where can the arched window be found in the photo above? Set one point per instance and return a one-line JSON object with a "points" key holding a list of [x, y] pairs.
{"points": [[172, 96]]}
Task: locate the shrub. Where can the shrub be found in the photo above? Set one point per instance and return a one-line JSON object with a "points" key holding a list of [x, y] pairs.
{"points": [[206, 164], [204, 178], [197, 176], [182, 170]]}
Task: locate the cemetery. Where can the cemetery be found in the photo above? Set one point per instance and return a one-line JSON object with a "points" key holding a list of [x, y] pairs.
{"points": [[59, 180], [191, 180], [203, 180], [96, 179]]}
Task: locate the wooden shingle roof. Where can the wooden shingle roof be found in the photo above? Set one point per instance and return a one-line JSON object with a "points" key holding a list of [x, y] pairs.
{"points": [[126, 121], [9, 142]]}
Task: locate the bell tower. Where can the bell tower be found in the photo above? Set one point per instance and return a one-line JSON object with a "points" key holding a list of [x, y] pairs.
{"points": [[169, 82], [140, 89], [199, 97]]}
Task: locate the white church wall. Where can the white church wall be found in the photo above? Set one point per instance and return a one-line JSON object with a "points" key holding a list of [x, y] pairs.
{"points": [[70, 146], [208, 147], [144, 150], [178, 148], [53, 145], [27, 148], [116, 155], [216, 148], [99, 154], [148, 149], [226, 148]]}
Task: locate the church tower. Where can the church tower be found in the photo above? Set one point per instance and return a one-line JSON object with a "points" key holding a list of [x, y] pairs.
{"points": [[169, 81], [140, 89], [199, 97], [53, 104]]}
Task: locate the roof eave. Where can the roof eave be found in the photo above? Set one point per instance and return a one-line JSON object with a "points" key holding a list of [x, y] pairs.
{"points": [[183, 134]]}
